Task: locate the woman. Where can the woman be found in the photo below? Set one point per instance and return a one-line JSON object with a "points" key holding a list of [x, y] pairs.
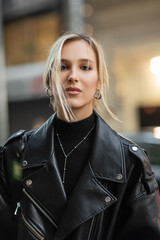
{"points": [[80, 180]]}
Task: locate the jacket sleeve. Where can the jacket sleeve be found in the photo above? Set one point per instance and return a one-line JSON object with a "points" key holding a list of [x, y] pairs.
{"points": [[140, 215], [7, 218], [10, 174]]}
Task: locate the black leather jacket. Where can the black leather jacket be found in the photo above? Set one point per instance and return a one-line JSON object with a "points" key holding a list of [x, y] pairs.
{"points": [[116, 197]]}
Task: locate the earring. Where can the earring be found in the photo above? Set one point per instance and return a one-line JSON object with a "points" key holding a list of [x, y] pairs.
{"points": [[97, 95], [49, 92]]}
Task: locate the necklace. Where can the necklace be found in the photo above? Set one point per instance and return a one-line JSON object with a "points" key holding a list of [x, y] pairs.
{"points": [[67, 155]]}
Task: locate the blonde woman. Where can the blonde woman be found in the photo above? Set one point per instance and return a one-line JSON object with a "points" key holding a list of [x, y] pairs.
{"points": [[79, 179]]}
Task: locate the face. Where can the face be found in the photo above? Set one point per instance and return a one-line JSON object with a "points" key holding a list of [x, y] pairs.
{"points": [[79, 77]]}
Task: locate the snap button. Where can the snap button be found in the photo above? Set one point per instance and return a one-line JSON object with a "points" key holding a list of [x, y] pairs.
{"points": [[24, 163], [134, 148], [107, 199], [28, 182], [119, 176]]}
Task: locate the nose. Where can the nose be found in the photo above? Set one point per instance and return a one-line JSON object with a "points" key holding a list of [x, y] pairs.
{"points": [[73, 76]]}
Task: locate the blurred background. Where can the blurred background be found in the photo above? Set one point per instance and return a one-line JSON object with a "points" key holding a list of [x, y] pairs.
{"points": [[129, 32]]}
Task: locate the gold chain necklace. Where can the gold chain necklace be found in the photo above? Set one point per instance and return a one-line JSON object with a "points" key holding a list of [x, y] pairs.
{"points": [[67, 155]]}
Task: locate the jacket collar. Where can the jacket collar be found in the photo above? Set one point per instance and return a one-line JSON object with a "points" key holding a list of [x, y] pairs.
{"points": [[89, 196], [40, 146], [107, 156], [107, 159]]}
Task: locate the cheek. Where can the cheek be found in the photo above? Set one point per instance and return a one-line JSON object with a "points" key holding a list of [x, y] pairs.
{"points": [[93, 83], [61, 77]]}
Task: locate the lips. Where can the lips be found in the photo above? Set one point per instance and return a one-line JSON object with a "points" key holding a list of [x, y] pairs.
{"points": [[73, 91]]}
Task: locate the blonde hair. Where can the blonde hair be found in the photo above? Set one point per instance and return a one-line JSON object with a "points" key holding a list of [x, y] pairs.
{"points": [[53, 65]]}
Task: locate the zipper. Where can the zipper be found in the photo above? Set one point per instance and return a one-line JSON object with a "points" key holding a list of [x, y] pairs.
{"points": [[37, 205], [18, 206], [90, 230], [32, 229]]}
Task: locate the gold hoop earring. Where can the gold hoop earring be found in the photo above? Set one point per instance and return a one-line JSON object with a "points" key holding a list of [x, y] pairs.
{"points": [[49, 92], [97, 95]]}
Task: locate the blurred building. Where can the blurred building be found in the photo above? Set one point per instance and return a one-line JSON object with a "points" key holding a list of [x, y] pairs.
{"points": [[129, 31], [30, 28]]}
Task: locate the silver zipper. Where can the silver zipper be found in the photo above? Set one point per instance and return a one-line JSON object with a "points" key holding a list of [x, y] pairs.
{"points": [[42, 211], [18, 206], [32, 229], [90, 230]]}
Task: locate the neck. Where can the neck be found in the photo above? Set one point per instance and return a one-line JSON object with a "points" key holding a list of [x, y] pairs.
{"points": [[79, 115]]}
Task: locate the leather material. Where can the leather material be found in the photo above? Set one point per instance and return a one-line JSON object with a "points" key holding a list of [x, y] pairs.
{"points": [[115, 193]]}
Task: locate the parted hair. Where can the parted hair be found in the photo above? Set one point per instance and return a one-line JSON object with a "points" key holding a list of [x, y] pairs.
{"points": [[53, 65]]}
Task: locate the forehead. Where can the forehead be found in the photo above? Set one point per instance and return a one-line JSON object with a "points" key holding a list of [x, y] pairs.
{"points": [[78, 49]]}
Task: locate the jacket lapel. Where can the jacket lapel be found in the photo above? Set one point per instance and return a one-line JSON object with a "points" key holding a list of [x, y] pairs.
{"points": [[89, 197], [47, 187], [107, 157]]}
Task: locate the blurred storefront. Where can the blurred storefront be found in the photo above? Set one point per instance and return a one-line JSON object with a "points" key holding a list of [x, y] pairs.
{"points": [[129, 31], [30, 28]]}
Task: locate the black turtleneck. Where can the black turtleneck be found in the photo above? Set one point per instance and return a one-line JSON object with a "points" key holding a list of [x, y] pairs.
{"points": [[70, 134]]}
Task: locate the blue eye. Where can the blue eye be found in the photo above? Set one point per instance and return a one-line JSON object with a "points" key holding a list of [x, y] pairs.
{"points": [[64, 67], [85, 68]]}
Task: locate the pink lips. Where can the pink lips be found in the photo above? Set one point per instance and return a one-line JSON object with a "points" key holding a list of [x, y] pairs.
{"points": [[73, 90]]}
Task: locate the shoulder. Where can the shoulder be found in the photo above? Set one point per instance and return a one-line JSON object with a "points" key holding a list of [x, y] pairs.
{"points": [[138, 155], [133, 148], [16, 142], [20, 138], [123, 150], [14, 137], [11, 153], [130, 151], [147, 178]]}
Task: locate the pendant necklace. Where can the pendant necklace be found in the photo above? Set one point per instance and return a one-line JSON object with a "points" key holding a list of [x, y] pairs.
{"points": [[67, 155]]}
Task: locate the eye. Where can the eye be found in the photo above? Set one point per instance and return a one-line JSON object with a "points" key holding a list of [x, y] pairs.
{"points": [[86, 68], [64, 67]]}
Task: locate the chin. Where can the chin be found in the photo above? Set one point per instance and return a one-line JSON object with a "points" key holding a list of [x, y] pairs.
{"points": [[74, 104]]}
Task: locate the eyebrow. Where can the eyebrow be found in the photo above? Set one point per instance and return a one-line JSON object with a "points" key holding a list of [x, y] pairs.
{"points": [[81, 60]]}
